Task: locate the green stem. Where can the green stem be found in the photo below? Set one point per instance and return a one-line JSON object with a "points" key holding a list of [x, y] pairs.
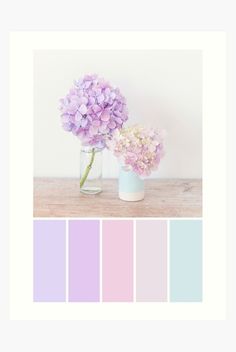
{"points": [[88, 168]]}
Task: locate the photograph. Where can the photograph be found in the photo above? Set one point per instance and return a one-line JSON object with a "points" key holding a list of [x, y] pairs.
{"points": [[117, 179], [118, 133], [115, 210], [117, 140]]}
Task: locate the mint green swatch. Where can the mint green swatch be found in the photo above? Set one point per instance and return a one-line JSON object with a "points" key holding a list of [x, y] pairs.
{"points": [[185, 260]]}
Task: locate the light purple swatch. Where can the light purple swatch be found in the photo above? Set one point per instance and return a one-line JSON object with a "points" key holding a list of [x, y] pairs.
{"points": [[49, 260], [151, 260], [83, 260]]}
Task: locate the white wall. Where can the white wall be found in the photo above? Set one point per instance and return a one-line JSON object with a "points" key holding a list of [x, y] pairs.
{"points": [[163, 89]]}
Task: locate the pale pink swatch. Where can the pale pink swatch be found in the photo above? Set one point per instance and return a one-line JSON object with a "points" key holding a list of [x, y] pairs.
{"points": [[151, 260], [117, 260]]}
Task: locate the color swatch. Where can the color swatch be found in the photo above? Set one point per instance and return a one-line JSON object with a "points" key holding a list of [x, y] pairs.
{"points": [[49, 261], [151, 260], [117, 255], [84, 260], [143, 260], [185, 260]]}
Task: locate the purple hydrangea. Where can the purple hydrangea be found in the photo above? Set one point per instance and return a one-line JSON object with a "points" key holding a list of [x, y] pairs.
{"points": [[93, 110]]}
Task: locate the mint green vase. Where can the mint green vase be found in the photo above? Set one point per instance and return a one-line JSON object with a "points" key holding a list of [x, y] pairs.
{"points": [[131, 186]]}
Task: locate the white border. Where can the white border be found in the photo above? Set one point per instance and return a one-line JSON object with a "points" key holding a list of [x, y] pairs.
{"points": [[213, 46]]}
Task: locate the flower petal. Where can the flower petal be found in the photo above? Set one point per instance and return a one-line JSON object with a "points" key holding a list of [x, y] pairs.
{"points": [[67, 126], [96, 108], [83, 100], [96, 123], [105, 116], [91, 100], [83, 109], [100, 98], [84, 122], [78, 116], [112, 125], [65, 118]]}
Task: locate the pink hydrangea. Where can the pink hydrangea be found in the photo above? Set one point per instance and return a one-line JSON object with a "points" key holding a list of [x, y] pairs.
{"points": [[93, 110], [138, 148]]}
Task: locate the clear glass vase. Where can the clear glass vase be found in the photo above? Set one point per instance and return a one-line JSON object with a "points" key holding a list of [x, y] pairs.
{"points": [[90, 170]]}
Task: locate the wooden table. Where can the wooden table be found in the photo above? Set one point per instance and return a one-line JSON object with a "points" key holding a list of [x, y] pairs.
{"points": [[60, 197]]}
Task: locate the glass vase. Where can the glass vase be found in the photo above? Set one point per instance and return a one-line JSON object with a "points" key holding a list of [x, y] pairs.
{"points": [[131, 186], [90, 170]]}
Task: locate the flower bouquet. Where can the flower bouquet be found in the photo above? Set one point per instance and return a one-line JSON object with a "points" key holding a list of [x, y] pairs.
{"points": [[92, 110], [139, 150]]}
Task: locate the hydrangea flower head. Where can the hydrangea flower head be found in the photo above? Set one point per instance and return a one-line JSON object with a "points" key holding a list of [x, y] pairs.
{"points": [[138, 148], [93, 110]]}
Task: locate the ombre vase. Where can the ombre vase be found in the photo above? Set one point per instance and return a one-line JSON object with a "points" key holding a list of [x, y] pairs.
{"points": [[131, 186], [90, 170]]}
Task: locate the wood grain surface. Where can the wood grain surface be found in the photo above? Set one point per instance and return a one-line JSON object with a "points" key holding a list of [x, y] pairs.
{"points": [[61, 197]]}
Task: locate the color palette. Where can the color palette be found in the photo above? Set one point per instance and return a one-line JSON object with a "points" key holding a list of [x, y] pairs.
{"points": [[143, 260]]}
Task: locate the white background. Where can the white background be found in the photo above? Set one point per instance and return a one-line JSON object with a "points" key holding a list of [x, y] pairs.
{"points": [[213, 46], [104, 336], [163, 89], [21, 69]]}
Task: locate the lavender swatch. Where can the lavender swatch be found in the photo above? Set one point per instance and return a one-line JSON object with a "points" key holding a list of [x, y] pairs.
{"points": [[49, 261], [83, 261]]}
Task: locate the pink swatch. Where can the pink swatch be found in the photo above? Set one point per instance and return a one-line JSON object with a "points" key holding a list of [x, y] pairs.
{"points": [[117, 263]]}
